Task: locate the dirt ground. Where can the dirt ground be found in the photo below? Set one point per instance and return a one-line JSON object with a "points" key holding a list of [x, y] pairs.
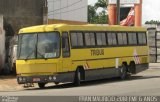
{"points": [[9, 83]]}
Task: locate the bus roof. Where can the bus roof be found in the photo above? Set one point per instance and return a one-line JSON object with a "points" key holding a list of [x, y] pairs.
{"points": [[88, 27]]}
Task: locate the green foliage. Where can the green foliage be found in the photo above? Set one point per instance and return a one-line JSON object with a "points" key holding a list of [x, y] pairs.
{"points": [[101, 3], [152, 22], [103, 18], [91, 13], [100, 18]]}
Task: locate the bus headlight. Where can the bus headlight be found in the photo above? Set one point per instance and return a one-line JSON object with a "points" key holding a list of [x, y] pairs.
{"points": [[50, 77], [54, 78], [20, 79], [24, 79]]}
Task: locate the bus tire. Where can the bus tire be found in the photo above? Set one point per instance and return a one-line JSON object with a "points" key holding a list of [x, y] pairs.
{"points": [[132, 67], [41, 85], [56, 83], [77, 80], [123, 71]]}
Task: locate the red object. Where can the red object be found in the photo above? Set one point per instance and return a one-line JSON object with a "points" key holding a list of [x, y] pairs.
{"points": [[138, 13], [112, 14], [129, 21]]}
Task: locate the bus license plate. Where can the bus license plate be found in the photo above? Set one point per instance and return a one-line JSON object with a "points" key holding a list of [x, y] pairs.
{"points": [[36, 79]]}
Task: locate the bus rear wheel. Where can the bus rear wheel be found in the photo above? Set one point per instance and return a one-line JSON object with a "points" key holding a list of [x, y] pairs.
{"points": [[123, 71], [77, 79], [56, 83], [41, 85]]}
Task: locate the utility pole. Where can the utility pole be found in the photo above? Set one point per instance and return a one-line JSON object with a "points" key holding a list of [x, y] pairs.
{"points": [[118, 12]]}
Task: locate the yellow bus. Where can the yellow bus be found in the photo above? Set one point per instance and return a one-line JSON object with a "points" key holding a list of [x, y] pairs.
{"points": [[74, 53]]}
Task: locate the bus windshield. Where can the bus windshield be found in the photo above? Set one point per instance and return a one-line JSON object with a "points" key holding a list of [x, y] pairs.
{"points": [[39, 46]]}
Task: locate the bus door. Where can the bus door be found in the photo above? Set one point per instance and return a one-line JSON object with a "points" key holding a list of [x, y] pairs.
{"points": [[66, 61]]}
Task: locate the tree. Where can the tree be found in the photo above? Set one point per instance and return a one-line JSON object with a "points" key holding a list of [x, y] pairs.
{"points": [[152, 22], [103, 18], [91, 13], [101, 3], [100, 17]]}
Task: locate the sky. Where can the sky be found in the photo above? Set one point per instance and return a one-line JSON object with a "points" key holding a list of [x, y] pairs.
{"points": [[150, 9]]}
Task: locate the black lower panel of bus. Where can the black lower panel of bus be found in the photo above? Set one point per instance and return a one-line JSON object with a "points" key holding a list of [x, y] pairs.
{"points": [[93, 74], [101, 73], [141, 67]]}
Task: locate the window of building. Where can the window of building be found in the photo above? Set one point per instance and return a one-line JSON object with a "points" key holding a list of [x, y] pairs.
{"points": [[101, 39]]}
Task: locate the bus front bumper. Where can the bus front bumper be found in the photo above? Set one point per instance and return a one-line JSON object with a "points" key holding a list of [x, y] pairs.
{"points": [[64, 77], [36, 79]]}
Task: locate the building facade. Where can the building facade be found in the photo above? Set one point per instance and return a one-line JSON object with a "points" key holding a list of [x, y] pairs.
{"points": [[17, 14], [21, 13], [68, 10]]}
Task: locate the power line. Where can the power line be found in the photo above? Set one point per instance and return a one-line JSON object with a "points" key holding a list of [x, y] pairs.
{"points": [[66, 6], [53, 0], [69, 10]]}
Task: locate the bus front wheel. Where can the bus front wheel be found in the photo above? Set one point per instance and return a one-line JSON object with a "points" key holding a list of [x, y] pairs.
{"points": [[77, 80], [123, 71], [41, 85]]}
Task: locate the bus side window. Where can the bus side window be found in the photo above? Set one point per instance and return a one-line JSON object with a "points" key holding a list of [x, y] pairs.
{"points": [[77, 39], [65, 45], [122, 38], [112, 40], [132, 38], [101, 39], [90, 39], [142, 38]]}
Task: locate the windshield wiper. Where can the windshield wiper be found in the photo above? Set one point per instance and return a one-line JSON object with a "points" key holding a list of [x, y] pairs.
{"points": [[41, 55], [30, 54]]}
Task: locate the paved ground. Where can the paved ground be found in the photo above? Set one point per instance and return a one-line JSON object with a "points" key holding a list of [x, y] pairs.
{"points": [[9, 83], [145, 83]]}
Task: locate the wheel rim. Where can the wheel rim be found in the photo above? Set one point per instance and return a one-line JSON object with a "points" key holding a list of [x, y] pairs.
{"points": [[78, 78], [123, 72]]}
